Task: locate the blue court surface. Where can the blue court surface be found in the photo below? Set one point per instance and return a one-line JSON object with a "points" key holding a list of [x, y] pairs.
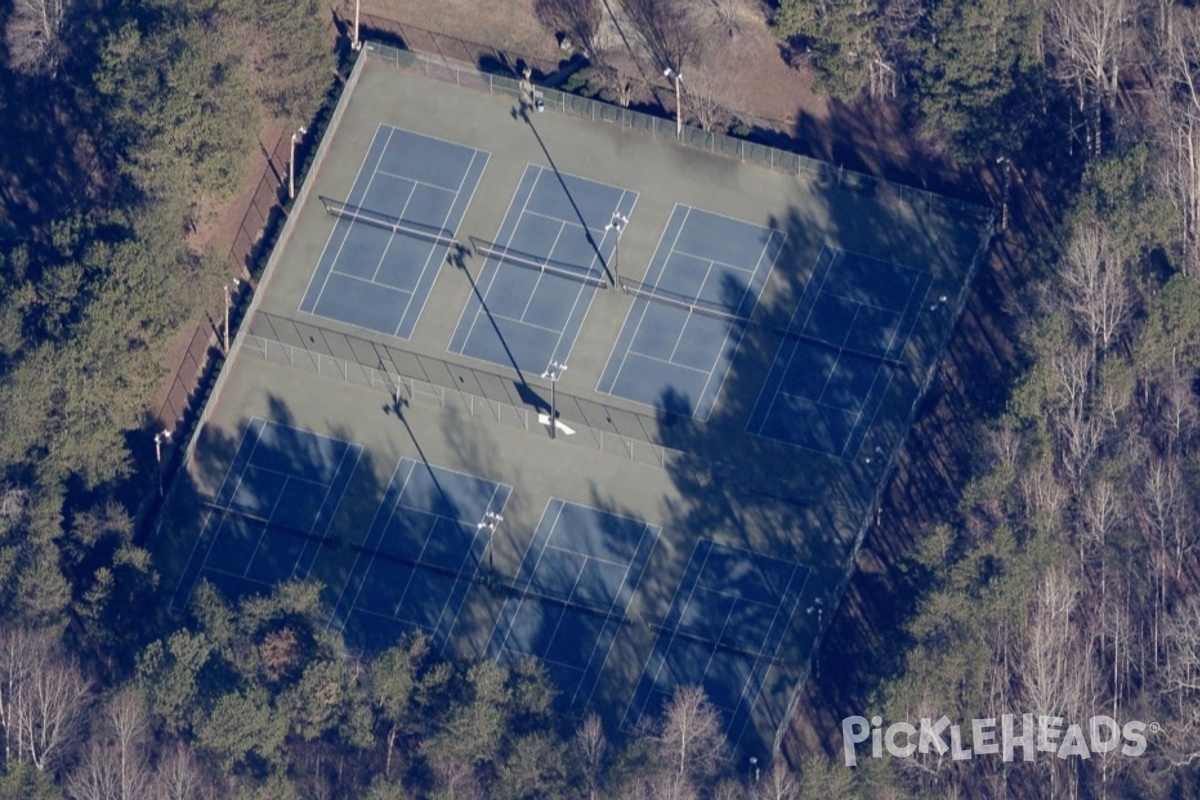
{"points": [[521, 317], [379, 279], [668, 355], [722, 632], [272, 511], [420, 556], [571, 594], [826, 385]]}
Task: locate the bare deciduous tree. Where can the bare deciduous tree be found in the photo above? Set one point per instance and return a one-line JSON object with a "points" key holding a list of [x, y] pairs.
{"points": [[778, 784], [1092, 40], [33, 36], [43, 698], [704, 89], [1179, 104], [1095, 288], [179, 777], [691, 744], [590, 744]]}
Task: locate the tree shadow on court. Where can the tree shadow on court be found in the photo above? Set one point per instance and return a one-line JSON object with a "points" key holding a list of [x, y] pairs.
{"points": [[786, 501]]}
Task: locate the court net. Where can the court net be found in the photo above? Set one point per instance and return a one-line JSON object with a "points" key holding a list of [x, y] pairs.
{"points": [[724, 647], [471, 570], [377, 219], [508, 255], [697, 306]]}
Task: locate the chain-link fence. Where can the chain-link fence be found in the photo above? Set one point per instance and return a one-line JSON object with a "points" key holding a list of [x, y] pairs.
{"points": [[430, 381], [452, 71]]}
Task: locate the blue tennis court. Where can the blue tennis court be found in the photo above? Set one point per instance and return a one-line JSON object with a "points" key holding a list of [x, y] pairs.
{"points": [[722, 632], [853, 322], [669, 354], [377, 276], [571, 594], [541, 273], [272, 511], [420, 556]]}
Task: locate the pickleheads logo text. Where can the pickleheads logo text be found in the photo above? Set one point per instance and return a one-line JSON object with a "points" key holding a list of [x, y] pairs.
{"points": [[1028, 733]]}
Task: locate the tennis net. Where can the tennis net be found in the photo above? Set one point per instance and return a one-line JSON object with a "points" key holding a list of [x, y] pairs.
{"points": [[508, 255], [680, 633], [471, 571], [376, 219], [698, 306]]}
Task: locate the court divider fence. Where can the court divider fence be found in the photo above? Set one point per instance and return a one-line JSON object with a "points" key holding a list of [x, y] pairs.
{"points": [[449, 70], [430, 381]]}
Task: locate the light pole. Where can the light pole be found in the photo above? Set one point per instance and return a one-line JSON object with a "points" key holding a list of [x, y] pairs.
{"points": [[553, 373], [159, 440], [228, 305], [357, 43], [754, 770], [674, 75], [292, 158], [618, 224], [489, 522], [819, 607]]}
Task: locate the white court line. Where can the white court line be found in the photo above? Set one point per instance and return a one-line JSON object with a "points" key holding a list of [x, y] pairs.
{"points": [[237, 485], [392, 237], [445, 221], [796, 344], [483, 298], [478, 297], [751, 270], [690, 314], [659, 634], [612, 352], [586, 556], [908, 303], [735, 595], [220, 571], [838, 359], [662, 271], [561, 226], [329, 240], [741, 334], [624, 582], [366, 541], [532, 572], [413, 570], [470, 550], [266, 527], [778, 642], [317, 518], [649, 357], [369, 282], [775, 360], [591, 268], [338, 253], [434, 186]]}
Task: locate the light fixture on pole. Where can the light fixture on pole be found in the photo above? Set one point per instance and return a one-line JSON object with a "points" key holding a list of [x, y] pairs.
{"points": [[160, 439], [675, 76], [301, 131], [356, 44], [489, 522], [553, 373], [618, 224], [228, 338]]}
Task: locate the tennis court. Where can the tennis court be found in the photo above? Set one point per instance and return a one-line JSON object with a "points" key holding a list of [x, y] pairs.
{"points": [[722, 632], [675, 347], [273, 509], [393, 231], [848, 333], [420, 555], [549, 259], [572, 593]]}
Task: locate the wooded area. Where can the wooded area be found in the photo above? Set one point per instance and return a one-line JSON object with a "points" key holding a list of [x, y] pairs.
{"points": [[1065, 584]]}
